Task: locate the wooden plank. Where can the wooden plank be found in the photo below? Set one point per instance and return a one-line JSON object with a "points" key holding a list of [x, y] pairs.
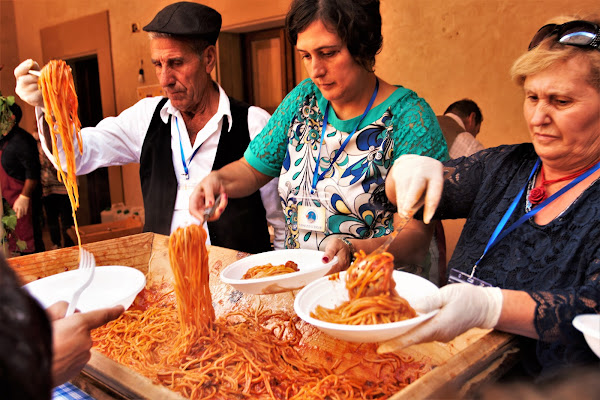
{"points": [[132, 251], [120, 382], [447, 380]]}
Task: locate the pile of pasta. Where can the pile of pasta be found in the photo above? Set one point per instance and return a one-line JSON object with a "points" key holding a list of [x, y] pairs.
{"points": [[60, 103], [262, 271], [372, 295], [175, 339]]}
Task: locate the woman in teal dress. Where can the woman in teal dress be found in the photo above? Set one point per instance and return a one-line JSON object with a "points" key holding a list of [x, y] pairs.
{"points": [[334, 138]]}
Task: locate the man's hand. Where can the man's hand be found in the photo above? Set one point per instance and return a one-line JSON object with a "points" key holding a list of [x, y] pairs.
{"points": [[27, 84], [71, 338], [21, 205], [462, 307]]}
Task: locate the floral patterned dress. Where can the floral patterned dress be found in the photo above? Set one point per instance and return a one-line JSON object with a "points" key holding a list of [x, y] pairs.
{"points": [[352, 190]]}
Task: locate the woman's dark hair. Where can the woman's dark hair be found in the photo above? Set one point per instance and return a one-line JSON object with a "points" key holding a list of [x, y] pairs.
{"points": [[357, 23], [17, 112]]}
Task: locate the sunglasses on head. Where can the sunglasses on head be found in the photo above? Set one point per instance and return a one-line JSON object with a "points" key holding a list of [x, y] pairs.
{"points": [[572, 33]]}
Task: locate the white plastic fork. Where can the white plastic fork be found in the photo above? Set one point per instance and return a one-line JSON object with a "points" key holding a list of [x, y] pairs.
{"points": [[87, 266]]}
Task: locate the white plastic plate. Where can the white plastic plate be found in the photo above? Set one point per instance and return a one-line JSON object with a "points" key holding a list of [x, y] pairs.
{"points": [[331, 293], [310, 265], [112, 285], [589, 325]]}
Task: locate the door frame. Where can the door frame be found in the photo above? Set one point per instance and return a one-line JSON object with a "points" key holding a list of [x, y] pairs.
{"points": [[83, 37]]}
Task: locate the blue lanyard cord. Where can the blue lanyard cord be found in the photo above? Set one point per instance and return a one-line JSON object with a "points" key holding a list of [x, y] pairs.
{"points": [[185, 166], [316, 176], [496, 236]]}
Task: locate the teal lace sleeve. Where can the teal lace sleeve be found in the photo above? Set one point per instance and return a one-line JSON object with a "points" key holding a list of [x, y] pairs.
{"points": [[267, 151], [416, 130]]}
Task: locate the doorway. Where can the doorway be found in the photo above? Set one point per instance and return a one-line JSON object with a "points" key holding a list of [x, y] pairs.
{"points": [[258, 66], [84, 43], [94, 189]]}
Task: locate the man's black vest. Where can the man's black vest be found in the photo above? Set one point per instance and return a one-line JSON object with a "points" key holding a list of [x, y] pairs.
{"points": [[243, 225]]}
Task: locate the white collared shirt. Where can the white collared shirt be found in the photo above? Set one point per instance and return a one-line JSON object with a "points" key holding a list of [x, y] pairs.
{"points": [[118, 141], [465, 143]]}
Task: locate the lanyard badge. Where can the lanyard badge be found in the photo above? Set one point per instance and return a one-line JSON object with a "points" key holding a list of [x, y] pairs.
{"points": [[186, 171], [458, 276], [316, 176], [312, 214]]}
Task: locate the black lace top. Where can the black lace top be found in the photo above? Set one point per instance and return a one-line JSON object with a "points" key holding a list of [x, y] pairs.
{"points": [[558, 264]]}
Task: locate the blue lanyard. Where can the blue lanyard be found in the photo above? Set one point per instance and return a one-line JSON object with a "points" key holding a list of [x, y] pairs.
{"points": [[316, 176], [496, 236], [185, 166]]}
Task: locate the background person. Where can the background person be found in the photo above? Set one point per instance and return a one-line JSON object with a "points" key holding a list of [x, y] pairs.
{"points": [[196, 119], [335, 174], [460, 125], [544, 263], [20, 180], [57, 206]]}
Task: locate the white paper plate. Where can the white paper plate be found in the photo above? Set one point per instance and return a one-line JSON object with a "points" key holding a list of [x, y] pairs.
{"points": [[112, 285], [331, 293], [589, 325], [310, 265]]}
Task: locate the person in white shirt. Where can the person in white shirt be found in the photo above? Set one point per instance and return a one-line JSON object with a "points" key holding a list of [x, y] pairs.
{"points": [[179, 139], [460, 125]]}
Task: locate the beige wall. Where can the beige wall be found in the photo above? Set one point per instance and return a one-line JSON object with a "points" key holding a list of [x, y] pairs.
{"points": [[443, 49]]}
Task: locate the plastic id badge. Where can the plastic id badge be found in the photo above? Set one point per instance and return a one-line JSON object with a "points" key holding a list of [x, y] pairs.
{"points": [[457, 276], [311, 218], [312, 212]]}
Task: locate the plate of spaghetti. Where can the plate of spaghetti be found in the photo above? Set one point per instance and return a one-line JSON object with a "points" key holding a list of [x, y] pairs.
{"points": [[112, 285], [370, 302], [276, 271]]}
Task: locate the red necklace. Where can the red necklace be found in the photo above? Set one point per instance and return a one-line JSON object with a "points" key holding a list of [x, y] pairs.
{"points": [[538, 194]]}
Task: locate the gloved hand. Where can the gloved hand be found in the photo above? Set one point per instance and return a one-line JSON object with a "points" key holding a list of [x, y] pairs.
{"points": [[27, 84], [462, 306], [21, 206], [413, 180]]}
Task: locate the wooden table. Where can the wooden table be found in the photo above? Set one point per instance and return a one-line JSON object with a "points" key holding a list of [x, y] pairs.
{"points": [[462, 366]]}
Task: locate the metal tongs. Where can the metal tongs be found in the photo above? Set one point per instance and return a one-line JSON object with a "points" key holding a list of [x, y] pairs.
{"points": [[399, 224], [210, 211], [403, 220]]}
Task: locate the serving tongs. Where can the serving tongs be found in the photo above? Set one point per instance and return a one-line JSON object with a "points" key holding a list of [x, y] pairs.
{"points": [[399, 223], [403, 219]]}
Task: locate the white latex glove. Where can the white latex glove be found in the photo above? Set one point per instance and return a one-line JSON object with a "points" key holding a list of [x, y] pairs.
{"points": [[413, 180], [27, 84], [21, 206], [462, 306]]}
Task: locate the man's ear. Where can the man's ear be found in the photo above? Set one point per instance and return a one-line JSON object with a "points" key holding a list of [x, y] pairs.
{"points": [[210, 58], [470, 122]]}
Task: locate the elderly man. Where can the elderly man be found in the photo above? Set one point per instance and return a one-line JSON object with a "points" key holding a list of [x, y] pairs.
{"points": [[179, 139]]}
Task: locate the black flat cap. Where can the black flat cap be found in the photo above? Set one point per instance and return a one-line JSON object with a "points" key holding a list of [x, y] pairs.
{"points": [[187, 19]]}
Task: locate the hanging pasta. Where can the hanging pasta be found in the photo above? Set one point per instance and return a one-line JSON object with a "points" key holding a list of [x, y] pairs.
{"points": [[189, 261], [60, 102]]}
